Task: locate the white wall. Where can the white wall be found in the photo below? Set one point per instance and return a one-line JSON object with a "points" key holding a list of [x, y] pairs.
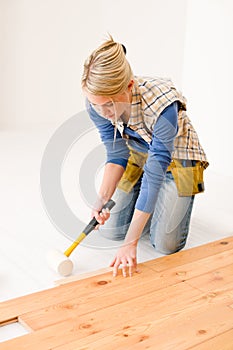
{"points": [[208, 76], [44, 44]]}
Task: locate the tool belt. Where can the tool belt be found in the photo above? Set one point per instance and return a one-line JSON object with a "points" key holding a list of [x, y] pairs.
{"points": [[188, 176], [133, 171]]}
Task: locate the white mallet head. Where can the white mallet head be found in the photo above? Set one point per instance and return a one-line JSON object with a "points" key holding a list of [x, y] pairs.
{"points": [[59, 262]]}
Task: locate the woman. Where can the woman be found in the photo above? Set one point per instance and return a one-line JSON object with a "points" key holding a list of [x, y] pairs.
{"points": [[154, 163]]}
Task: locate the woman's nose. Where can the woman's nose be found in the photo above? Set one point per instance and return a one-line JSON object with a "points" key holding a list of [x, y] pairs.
{"points": [[106, 110]]}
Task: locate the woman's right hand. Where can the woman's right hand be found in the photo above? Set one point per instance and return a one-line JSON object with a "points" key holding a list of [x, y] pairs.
{"points": [[101, 216]]}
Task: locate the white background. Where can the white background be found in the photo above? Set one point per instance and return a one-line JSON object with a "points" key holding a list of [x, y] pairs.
{"points": [[44, 45]]}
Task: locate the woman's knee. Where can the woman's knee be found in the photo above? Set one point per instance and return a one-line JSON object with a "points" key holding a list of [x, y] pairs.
{"points": [[113, 233], [170, 244], [168, 249]]}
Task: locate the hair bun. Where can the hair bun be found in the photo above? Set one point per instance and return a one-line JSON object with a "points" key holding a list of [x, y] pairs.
{"points": [[124, 48]]}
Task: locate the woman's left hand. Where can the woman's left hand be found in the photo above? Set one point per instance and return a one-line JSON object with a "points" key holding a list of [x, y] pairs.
{"points": [[127, 258]]}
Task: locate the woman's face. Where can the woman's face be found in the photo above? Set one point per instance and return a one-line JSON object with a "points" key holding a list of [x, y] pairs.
{"points": [[111, 108]]}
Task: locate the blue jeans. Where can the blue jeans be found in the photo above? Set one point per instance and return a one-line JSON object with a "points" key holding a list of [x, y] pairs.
{"points": [[168, 225]]}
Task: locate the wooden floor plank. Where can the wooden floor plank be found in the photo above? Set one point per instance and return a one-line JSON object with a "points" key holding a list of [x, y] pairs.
{"points": [[177, 331], [222, 341], [214, 261], [183, 332], [176, 306], [174, 260], [199, 267], [76, 291], [85, 275], [84, 304], [155, 312], [193, 254], [214, 281], [11, 309], [56, 313]]}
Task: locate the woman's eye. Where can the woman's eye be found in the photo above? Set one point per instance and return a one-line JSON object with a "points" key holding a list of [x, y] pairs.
{"points": [[110, 104], [106, 105]]}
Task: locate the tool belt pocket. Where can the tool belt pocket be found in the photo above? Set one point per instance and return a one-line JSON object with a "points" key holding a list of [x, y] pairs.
{"points": [[133, 171], [130, 177], [189, 179]]}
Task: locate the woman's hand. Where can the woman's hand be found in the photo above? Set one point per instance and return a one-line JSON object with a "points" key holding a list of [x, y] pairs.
{"points": [[127, 254], [127, 258], [102, 216], [111, 177]]}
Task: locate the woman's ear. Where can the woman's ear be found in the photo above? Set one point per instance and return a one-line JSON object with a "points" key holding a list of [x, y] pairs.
{"points": [[130, 85], [124, 48]]}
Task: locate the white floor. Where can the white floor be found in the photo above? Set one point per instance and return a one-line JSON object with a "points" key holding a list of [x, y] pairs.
{"points": [[27, 233]]}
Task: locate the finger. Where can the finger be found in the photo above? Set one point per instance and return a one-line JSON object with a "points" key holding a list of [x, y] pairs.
{"points": [[124, 267], [115, 264], [100, 219], [132, 266], [106, 213], [137, 270], [124, 270], [104, 216], [95, 215], [115, 269]]}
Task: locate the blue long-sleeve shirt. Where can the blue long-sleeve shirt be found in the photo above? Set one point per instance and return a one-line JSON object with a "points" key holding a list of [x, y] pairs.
{"points": [[159, 151]]}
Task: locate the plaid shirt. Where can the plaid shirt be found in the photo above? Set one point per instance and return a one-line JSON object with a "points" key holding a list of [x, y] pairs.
{"points": [[150, 96]]}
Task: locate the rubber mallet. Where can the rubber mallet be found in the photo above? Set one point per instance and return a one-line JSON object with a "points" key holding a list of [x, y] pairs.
{"points": [[59, 261]]}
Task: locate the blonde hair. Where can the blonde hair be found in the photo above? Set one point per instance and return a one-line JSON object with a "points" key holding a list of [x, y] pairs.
{"points": [[107, 71]]}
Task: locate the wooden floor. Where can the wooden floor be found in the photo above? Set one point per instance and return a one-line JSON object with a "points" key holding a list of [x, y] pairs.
{"points": [[178, 302]]}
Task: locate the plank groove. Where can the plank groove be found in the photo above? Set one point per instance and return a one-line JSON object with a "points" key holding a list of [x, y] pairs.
{"points": [[178, 302], [223, 341]]}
